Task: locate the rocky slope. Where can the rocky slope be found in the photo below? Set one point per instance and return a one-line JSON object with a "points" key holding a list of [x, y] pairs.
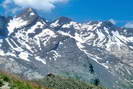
{"points": [[32, 47]]}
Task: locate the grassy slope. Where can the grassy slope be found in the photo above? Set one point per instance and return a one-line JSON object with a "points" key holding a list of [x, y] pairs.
{"points": [[51, 82], [14, 82]]}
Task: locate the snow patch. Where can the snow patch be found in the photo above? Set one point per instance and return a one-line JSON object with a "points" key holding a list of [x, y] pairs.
{"points": [[55, 24], [56, 55], [10, 54], [40, 59], [47, 32], [2, 53], [15, 23], [24, 56], [32, 14], [80, 45], [76, 37], [33, 28]]}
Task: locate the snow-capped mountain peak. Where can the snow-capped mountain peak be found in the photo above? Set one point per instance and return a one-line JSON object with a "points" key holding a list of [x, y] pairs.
{"points": [[25, 19]]}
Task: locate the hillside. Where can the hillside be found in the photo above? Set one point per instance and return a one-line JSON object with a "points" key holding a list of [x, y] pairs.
{"points": [[60, 82], [9, 81]]}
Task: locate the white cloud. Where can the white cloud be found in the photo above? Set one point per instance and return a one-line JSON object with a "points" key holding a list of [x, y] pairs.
{"points": [[129, 25], [112, 21], [45, 5], [6, 3]]}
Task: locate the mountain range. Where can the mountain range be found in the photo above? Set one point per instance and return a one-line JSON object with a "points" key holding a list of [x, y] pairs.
{"points": [[32, 47]]}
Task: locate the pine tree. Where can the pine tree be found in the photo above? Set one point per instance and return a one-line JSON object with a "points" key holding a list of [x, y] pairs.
{"points": [[91, 68]]}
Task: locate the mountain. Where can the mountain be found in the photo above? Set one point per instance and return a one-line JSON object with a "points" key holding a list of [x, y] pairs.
{"points": [[34, 47]]}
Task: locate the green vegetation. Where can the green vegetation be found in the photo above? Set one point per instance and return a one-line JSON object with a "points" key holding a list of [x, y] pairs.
{"points": [[1, 83], [9, 81]]}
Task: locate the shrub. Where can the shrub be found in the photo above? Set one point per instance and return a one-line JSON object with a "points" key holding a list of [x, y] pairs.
{"points": [[96, 82], [6, 79], [1, 83]]}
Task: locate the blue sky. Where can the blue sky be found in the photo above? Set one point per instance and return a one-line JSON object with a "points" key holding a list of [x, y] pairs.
{"points": [[84, 10]]}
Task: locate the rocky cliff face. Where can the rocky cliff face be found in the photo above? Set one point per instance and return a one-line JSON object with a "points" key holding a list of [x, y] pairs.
{"points": [[33, 47]]}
